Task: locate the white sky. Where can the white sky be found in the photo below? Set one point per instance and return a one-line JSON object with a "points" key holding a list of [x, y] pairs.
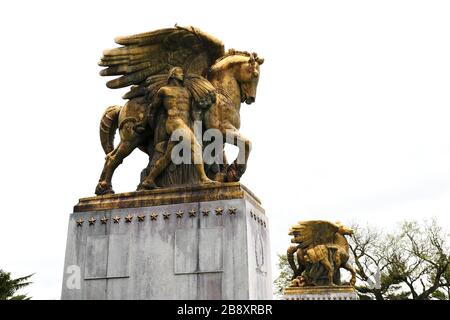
{"points": [[351, 120]]}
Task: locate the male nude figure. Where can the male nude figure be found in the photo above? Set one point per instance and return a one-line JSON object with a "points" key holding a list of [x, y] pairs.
{"points": [[176, 99]]}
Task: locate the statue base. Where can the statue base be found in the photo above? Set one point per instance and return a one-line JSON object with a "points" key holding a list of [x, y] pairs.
{"points": [[198, 242], [321, 293]]}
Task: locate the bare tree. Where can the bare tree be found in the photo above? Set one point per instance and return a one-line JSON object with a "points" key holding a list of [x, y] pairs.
{"points": [[412, 263]]}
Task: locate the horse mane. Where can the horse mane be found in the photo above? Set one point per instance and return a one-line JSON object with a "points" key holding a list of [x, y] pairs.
{"points": [[232, 57]]}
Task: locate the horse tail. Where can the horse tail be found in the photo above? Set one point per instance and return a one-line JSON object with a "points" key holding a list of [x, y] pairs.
{"points": [[108, 127], [290, 258]]}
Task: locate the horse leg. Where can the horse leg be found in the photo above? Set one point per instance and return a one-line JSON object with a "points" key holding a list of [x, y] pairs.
{"points": [[113, 160], [327, 264], [290, 258], [217, 170], [238, 167], [347, 266], [301, 262]]}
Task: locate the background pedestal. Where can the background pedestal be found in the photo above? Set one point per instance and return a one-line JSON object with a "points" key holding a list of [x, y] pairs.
{"points": [[204, 242], [320, 293]]}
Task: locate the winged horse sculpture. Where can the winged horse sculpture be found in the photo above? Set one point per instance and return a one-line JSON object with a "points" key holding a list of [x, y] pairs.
{"points": [[233, 75]]}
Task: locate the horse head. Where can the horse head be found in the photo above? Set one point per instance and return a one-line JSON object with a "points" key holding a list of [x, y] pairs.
{"points": [[343, 230], [244, 68], [248, 76]]}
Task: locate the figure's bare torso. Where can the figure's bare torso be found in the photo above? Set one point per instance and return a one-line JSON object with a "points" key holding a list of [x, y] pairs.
{"points": [[176, 100]]}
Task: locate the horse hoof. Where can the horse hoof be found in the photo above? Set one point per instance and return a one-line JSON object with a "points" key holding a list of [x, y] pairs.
{"points": [[103, 193], [143, 186], [103, 189], [232, 174], [219, 177]]}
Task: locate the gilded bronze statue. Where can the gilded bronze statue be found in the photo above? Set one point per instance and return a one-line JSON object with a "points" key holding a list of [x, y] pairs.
{"points": [[210, 85], [176, 99], [321, 249]]}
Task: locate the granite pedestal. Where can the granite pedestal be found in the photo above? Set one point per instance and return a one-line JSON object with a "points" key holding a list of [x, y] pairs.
{"points": [[201, 242]]}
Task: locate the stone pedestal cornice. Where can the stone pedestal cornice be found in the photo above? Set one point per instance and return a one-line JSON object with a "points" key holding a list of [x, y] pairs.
{"points": [[188, 194]]}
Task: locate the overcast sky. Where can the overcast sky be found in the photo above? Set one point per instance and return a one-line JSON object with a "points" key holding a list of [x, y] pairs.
{"points": [[351, 120]]}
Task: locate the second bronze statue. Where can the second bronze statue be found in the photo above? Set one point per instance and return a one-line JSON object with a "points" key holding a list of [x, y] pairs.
{"points": [[178, 76]]}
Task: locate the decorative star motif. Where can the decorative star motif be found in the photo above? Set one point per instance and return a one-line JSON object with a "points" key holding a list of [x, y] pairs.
{"points": [[232, 210], [128, 218], [180, 213], [116, 219], [166, 215], [205, 212], [193, 213], [104, 220], [264, 224], [141, 217], [251, 213], [219, 211], [92, 221], [80, 222], [153, 216]]}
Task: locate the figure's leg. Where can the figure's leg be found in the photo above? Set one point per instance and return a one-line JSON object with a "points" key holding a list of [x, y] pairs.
{"points": [[238, 167], [113, 160], [157, 145], [197, 157], [149, 182], [196, 152]]}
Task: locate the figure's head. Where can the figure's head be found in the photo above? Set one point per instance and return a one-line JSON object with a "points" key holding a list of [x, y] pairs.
{"points": [[245, 69], [176, 73], [346, 231]]}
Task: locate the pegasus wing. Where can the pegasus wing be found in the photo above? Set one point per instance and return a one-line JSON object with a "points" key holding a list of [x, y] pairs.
{"points": [[146, 54], [202, 91], [311, 233]]}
